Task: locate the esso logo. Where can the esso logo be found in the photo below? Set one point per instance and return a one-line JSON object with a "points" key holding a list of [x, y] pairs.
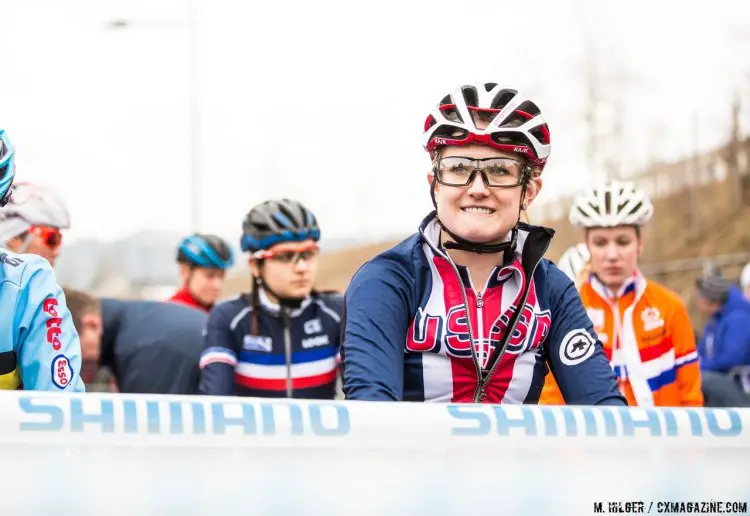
{"points": [[62, 372]]}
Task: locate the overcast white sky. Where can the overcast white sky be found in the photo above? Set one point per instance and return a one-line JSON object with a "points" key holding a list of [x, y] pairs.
{"points": [[324, 101]]}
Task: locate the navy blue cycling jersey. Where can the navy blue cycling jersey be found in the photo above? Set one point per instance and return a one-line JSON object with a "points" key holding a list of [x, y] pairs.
{"points": [[294, 355], [152, 346]]}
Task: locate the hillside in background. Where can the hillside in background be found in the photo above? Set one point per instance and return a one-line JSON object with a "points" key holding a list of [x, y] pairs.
{"points": [[704, 220]]}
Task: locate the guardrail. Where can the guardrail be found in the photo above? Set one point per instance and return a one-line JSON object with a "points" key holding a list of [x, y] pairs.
{"points": [[138, 454]]}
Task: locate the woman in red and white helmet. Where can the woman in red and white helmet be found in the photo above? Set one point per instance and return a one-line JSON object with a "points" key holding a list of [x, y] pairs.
{"points": [[467, 309], [33, 220], [644, 327]]}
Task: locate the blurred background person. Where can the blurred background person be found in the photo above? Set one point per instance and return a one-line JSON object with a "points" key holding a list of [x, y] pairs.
{"points": [[203, 262], [575, 262], [33, 220], [643, 326], [282, 338], [745, 281], [724, 346], [149, 346]]}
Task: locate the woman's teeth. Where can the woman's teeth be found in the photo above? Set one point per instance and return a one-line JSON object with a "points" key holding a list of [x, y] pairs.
{"points": [[475, 209]]}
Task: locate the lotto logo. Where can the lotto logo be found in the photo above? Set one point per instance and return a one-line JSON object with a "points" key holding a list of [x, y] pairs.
{"points": [[53, 323]]}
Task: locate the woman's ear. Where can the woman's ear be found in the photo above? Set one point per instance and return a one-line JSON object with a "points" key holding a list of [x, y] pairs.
{"points": [[532, 190]]}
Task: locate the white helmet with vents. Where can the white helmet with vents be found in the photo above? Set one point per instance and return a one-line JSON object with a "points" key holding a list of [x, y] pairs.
{"points": [[573, 261], [615, 204], [36, 205]]}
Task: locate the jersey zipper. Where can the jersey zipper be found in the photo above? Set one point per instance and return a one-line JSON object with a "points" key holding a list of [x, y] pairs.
{"points": [[482, 384], [288, 352], [477, 369]]}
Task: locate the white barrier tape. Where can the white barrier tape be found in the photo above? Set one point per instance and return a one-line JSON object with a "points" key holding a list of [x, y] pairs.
{"points": [[94, 454], [28, 417]]}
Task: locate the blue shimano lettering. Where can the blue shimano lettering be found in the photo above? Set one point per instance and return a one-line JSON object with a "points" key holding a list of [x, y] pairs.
{"points": [[197, 412], [696, 425], [550, 423], [179, 417], [153, 421], [735, 423], [468, 413], [269, 419], [593, 428], [221, 421], [106, 418], [38, 406], [630, 423], [571, 427], [671, 421], [131, 417], [505, 423], [342, 421]]}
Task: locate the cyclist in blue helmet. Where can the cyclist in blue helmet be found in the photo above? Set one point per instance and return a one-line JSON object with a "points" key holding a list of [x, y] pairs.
{"points": [[203, 261], [39, 346], [282, 338]]}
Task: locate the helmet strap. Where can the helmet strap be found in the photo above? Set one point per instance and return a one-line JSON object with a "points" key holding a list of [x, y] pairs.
{"points": [[461, 244]]}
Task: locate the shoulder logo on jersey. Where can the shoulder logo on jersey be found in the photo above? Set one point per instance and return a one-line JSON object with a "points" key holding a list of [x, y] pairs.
{"points": [[54, 323], [13, 262], [257, 343], [576, 347], [652, 319], [62, 372]]}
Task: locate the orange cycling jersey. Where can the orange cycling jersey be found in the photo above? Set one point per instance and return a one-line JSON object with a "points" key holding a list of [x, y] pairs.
{"points": [[647, 336]]}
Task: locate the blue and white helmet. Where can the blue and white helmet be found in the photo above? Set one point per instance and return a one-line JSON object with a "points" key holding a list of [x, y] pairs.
{"points": [[273, 222], [205, 251], [7, 168]]}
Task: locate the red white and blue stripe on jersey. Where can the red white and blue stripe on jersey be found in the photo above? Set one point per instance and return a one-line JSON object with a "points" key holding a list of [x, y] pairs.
{"points": [[309, 368], [235, 362], [406, 329]]}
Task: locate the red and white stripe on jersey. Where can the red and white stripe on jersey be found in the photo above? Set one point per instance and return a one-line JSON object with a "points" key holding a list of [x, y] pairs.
{"points": [[217, 355]]}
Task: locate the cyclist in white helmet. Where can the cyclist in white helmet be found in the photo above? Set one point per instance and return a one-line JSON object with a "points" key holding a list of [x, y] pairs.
{"points": [[575, 263], [644, 327], [32, 221], [467, 309]]}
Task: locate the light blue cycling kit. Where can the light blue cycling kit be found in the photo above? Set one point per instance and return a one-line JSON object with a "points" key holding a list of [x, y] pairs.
{"points": [[39, 347]]}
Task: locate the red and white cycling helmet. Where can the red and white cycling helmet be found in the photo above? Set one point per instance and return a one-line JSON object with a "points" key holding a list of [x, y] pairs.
{"points": [[516, 123]]}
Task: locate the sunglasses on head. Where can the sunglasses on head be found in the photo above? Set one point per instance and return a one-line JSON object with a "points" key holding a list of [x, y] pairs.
{"points": [[52, 237], [288, 255]]}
